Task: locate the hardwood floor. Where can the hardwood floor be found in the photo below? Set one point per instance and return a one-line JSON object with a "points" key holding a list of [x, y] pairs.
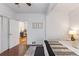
{"points": [[30, 51], [18, 50]]}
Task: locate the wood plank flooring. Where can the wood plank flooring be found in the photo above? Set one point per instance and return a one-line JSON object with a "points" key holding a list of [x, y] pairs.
{"points": [[18, 50]]}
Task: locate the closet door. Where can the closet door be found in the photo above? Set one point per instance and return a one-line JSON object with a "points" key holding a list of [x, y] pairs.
{"points": [[13, 33], [4, 39]]}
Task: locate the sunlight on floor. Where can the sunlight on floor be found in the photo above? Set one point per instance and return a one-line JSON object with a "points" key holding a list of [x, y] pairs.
{"points": [[23, 40]]}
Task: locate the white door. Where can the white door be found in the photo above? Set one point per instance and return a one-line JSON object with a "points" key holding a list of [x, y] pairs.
{"points": [[4, 34], [13, 33]]}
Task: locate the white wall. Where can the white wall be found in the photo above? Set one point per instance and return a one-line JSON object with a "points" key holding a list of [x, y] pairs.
{"points": [[0, 34], [74, 19], [37, 35], [57, 23]]}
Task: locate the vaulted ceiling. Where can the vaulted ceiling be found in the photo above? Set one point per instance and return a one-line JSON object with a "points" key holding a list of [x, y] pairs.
{"points": [[24, 8]]}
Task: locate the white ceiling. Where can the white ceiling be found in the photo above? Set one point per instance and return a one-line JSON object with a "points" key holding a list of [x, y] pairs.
{"points": [[24, 8], [67, 7]]}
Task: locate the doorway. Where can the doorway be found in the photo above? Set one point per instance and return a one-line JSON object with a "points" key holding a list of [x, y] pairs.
{"points": [[23, 32], [22, 38]]}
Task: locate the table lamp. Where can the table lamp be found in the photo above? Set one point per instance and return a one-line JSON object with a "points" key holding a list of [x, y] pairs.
{"points": [[73, 35]]}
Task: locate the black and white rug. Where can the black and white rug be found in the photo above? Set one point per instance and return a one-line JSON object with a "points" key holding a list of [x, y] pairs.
{"points": [[58, 49], [39, 51]]}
